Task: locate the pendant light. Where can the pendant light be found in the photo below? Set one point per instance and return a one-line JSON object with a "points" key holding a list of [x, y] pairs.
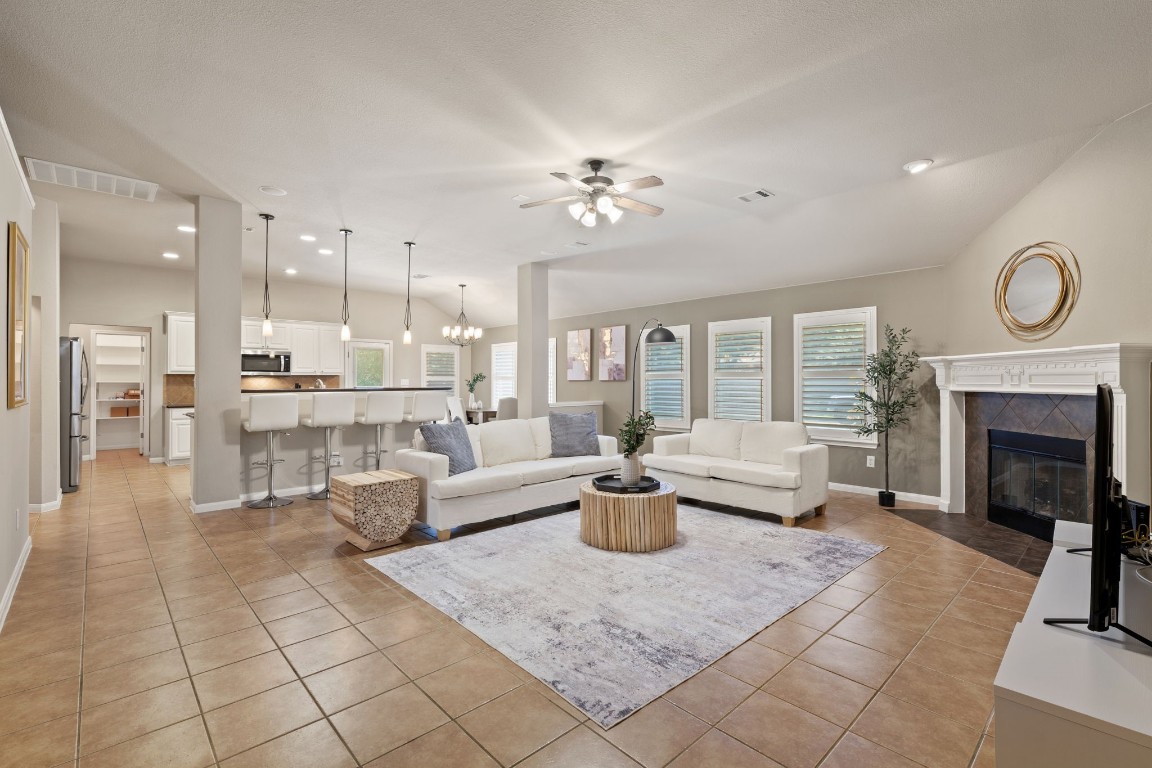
{"points": [[345, 331], [463, 334], [408, 303], [266, 328]]}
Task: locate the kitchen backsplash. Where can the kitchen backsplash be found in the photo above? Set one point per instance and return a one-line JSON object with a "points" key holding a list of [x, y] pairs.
{"points": [[180, 388]]}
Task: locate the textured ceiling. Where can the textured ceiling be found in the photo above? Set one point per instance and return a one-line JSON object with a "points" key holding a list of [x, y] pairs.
{"points": [[422, 121]]}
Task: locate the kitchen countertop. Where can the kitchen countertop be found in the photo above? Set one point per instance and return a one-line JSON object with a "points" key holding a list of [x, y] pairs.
{"points": [[179, 406], [343, 389]]}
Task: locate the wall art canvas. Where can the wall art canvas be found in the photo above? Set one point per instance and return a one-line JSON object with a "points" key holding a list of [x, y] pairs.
{"points": [[17, 317], [613, 353], [580, 355]]}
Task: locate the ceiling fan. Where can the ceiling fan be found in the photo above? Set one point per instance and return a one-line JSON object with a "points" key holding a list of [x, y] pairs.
{"points": [[598, 194]]}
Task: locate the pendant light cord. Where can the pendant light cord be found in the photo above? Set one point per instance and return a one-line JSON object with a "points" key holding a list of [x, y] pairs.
{"points": [[267, 297], [408, 303], [344, 316]]}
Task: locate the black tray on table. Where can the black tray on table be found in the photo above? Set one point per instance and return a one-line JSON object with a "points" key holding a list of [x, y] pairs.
{"points": [[612, 484]]}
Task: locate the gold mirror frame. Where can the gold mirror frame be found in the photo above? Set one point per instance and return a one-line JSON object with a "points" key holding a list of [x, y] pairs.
{"points": [[1067, 269]]}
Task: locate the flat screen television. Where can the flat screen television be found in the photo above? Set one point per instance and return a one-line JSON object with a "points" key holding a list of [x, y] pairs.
{"points": [[1109, 510]]}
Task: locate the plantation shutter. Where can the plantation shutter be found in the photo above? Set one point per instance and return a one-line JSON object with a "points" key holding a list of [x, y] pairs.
{"points": [[552, 370], [440, 367], [503, 371], [665, 390], [739, 359], [831, 354]]}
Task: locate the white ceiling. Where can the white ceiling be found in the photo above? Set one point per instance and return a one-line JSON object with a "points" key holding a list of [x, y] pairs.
{"points": [[422, 121]]}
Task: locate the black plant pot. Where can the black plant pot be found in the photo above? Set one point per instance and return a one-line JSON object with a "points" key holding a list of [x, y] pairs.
{"points": [[887, 498]]}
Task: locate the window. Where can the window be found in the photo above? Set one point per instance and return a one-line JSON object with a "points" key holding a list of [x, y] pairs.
{"points": [[369, 364], [503, 371], [664, 380], [440, 366], [552, 370], [739, 369], [830, 350]]}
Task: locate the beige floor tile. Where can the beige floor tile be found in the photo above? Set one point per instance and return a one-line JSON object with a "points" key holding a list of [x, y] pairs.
{"points": [[896, 614], [986, 757], [354, 681], [546, 691], [787, 637], [233, 682], [517, 724], [579, 747], [278, 607], [205, 567], [910, 594], [963, 702], [864, 665], [946, 567], [18, 647], [122, 648], [939, 582], [996, 578], [753, 663], [654, 734], [956, 660], [717, 749], [446, 747], [855, 752], [247, 572], [970, 635], [374, 604], [862, 582], [841, 597], [977, 612], [401, 625], [825, 694], [226, 649], [244, 724], [183, 745], [104, 685], [426, 654], [96, 575], [313, 746], [305, 625], [22, 674], [354, 586], [41, 746], [39, 705], [709, 694], [920, 735], [876, 635], [206, 603], [1001, 598], [281, 585], [318, 653], [198, 586], [136, 715], [209, 625], [796, 739], [387, 721], [112, 624], [817, 616], [330, 572], [465, 685]]}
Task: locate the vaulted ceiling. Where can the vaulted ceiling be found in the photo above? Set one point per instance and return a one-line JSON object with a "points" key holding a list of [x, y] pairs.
{"points": [[423, 120]]}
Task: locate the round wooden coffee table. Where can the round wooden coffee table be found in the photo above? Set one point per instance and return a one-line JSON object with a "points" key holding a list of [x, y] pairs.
{"points": [[628, 522]]}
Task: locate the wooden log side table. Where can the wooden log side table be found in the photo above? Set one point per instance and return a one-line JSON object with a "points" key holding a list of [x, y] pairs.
{"points": [[376, 507], [628, 522]]}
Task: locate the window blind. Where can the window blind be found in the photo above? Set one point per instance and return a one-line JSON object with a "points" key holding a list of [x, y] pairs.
{"points": [[738, 375], [503, 371], [440, 367], [832, 372], [665, 381]]}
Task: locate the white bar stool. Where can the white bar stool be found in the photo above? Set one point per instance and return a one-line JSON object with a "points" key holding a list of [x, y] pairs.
{"points": [[381, 409], [271, 413], [428, 406], [329, 409]]}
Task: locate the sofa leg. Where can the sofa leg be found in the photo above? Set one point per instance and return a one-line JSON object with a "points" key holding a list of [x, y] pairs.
{"points": [[444, 534], [820, 509], [789, 522]]}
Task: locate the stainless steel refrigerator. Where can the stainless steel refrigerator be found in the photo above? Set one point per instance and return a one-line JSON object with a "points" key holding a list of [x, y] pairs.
{"points": [[73, 392]]}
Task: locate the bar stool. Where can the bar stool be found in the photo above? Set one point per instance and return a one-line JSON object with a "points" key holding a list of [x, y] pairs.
{"points": [[330, 409], [271, 413], [381, 409], [428, 406]]}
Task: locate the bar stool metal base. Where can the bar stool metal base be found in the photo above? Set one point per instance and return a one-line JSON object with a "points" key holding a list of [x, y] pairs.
{"points": [[271, 500], [325, 492]]}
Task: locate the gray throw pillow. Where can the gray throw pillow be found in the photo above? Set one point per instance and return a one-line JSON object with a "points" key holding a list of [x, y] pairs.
{"points": [[450, 440], [573, 434]]}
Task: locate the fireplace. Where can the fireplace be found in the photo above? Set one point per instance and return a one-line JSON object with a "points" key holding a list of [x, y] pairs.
{"points": [[1035, 480]]}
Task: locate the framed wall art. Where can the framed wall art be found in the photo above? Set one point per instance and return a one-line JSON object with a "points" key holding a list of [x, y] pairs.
{"points": [[17, 317], [613, 353], [580, 355]]}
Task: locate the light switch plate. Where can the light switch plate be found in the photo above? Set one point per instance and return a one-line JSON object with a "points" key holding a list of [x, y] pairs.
{"points": [[871, 462]]}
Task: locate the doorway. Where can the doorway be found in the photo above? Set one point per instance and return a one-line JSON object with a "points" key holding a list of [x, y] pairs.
{"points": [[118, 401]]}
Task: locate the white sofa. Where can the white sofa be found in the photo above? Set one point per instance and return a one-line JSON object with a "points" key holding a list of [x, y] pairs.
{"points": [[515, 472], [765, 466]]}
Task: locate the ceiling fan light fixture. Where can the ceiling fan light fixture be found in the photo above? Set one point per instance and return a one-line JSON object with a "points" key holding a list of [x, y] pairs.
{"points": [[604, 204], [577, 210], [589, 219], [614, 214]]}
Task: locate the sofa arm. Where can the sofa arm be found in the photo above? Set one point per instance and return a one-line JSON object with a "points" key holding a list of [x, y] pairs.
{"points": [[811, 462], [607, 445], [425, 465], [671, 445]]}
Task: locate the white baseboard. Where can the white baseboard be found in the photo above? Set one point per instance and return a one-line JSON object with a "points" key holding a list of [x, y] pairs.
{"points": [[215, 506], [917, 498], [48, 506], [155, 459], [17, 572]]}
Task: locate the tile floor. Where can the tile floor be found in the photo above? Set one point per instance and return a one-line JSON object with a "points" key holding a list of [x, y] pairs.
{"points": [[142, 635]]}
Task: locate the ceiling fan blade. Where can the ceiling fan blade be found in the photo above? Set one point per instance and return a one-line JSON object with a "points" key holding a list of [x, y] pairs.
{"points": [[573, 181], [631, 186], [566, 199], [637, 206]]}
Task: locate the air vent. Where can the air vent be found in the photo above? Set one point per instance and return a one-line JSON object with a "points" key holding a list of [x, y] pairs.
{"points": [[93, 181], [754, 195]]}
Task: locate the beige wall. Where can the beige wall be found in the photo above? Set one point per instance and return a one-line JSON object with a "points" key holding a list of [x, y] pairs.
{"points": [[44, 447], [911, 299]]}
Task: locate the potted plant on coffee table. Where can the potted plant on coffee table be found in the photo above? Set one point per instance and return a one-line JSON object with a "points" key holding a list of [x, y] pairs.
{"points": [[889, 397], [632, 436], [471, 383]]}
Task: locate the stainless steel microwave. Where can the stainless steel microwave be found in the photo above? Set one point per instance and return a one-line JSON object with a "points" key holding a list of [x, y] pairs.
{"points": [[265, 364]]}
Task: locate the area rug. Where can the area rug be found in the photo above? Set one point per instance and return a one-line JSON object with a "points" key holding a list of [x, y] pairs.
{"points": [[611, 631]]}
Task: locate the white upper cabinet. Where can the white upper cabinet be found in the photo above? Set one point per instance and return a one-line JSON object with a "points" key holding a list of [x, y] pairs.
{"points": [[305, 349], [252, 334], [331, 351], [181, 343]]}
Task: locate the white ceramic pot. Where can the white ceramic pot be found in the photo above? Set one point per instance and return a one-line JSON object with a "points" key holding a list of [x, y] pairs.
{"points": [[630, 469]]}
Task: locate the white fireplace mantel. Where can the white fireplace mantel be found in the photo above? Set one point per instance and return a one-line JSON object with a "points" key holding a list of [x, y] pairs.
{"points": [[1063, 371]]}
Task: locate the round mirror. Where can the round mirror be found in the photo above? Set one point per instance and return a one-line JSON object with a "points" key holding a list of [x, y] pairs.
{"points": [[1036, 290]]}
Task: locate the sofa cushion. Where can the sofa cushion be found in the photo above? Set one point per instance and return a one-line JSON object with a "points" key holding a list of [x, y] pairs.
{"points": [[765, 442], [715, 437], [540, 470], [506, 441], [542, 436], [684, 464], [594, 465], [573, 434], [450, 440], [479, 480], [754, 473]]}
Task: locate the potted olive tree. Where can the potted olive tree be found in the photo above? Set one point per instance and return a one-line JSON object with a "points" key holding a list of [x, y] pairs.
{"points": [[632, 436], [889, 397]]}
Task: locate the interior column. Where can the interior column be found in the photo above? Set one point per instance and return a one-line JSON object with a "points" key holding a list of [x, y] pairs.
{"points": [[532, 340], [216, 431]]}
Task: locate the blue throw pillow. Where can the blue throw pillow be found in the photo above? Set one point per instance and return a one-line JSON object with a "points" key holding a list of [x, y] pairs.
{"points": [[450, 440], [573, 434]]}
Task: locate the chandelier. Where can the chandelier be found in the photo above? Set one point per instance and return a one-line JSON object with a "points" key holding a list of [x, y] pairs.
{"points": [[463, 334]]}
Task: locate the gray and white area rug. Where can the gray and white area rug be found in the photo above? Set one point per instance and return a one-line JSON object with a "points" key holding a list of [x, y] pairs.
{"points": [[611, 631]]}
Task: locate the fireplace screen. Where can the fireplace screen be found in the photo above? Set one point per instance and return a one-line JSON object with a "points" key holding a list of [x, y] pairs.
{"points": [[1034, 480]]}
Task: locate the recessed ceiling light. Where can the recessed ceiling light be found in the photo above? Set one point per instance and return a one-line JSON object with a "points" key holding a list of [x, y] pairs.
{"points": [[421, 277], [290, 271], [170, 255], [274, 191], [325, 251], [917, 166], [547, 253], [186, 228], [308, 238]]}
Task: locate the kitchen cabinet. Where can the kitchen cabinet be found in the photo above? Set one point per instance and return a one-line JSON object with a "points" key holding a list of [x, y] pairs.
{"points": [[252, 334], [305, 349], [178, 438], [331, 351], [181, 343]]}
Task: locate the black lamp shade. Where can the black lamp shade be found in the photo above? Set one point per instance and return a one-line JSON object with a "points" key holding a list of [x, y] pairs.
{"points": [[660, 335]]}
